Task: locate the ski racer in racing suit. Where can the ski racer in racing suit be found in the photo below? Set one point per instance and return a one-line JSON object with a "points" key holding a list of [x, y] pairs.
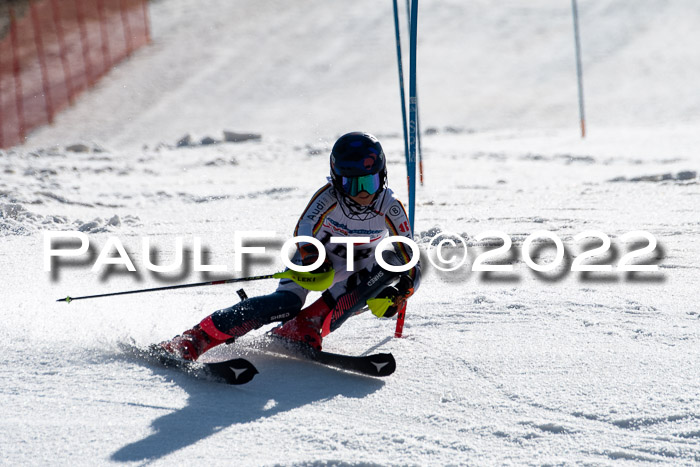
{"points": [[356, 202]]}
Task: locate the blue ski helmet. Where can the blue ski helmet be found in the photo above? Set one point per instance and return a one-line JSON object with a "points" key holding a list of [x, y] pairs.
{"points": [[358, 164]]}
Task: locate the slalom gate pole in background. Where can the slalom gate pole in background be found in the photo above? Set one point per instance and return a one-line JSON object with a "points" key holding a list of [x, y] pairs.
{"points": [[401, 85], [420, 147], [413, 116], [418, 133], [413, 144], [579, 69]]}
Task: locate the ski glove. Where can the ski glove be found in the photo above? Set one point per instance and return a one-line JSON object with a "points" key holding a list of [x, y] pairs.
{"points": [[390, 300], [309, 256]]}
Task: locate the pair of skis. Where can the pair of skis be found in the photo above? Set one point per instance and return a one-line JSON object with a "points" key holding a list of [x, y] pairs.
{"points": [[241, 371]]}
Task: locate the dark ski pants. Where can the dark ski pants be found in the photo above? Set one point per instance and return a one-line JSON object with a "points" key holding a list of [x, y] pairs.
{"points": [[283, 305], [255, 312]]}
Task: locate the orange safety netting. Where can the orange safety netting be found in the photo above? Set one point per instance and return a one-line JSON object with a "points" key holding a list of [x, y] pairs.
{"points": [[51, 50]]}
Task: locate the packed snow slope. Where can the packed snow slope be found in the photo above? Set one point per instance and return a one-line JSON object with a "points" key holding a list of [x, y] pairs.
{"points": [[269, 66], [496, 368]]}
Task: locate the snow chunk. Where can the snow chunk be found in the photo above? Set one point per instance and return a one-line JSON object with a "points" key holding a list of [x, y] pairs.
{"points": [[15, 219], [184, 142], [682, 176], [78, 148], [99, 225], [233, 137]]}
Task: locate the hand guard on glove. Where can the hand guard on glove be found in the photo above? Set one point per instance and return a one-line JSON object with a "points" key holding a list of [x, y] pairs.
{"points": [[390, 300]]}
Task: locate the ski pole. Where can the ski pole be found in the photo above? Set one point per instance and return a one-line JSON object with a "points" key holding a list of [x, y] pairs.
{"points": [[309, 280]]}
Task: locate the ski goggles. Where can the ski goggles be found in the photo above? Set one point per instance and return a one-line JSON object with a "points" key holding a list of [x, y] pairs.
{"points": [[354, 185]]}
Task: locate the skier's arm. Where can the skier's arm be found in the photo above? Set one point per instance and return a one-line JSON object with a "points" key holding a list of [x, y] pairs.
{"points": [[320, 205], [310, 222]]}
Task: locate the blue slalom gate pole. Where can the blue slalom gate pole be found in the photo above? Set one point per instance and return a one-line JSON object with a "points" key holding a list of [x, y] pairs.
{"points": [[579, 69], [418, 133], [412, 143], [413, 116], [401, 85]]}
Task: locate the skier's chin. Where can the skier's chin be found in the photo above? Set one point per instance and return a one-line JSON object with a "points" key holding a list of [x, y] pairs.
{"points": [[363, 198]]}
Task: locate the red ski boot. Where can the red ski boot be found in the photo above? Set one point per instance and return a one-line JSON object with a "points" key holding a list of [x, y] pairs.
{"points": [[194, 342], [306, 326]]}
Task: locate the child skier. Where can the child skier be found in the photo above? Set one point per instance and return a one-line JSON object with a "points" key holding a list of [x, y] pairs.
{"points": [[355, 203]]}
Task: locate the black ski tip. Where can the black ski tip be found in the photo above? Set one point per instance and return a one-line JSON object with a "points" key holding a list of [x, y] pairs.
{"points": [[377, 365], [236, 371], [384, 363]]}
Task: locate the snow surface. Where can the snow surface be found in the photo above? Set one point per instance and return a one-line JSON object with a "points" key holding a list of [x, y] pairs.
{"points": [[519, 368]]}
